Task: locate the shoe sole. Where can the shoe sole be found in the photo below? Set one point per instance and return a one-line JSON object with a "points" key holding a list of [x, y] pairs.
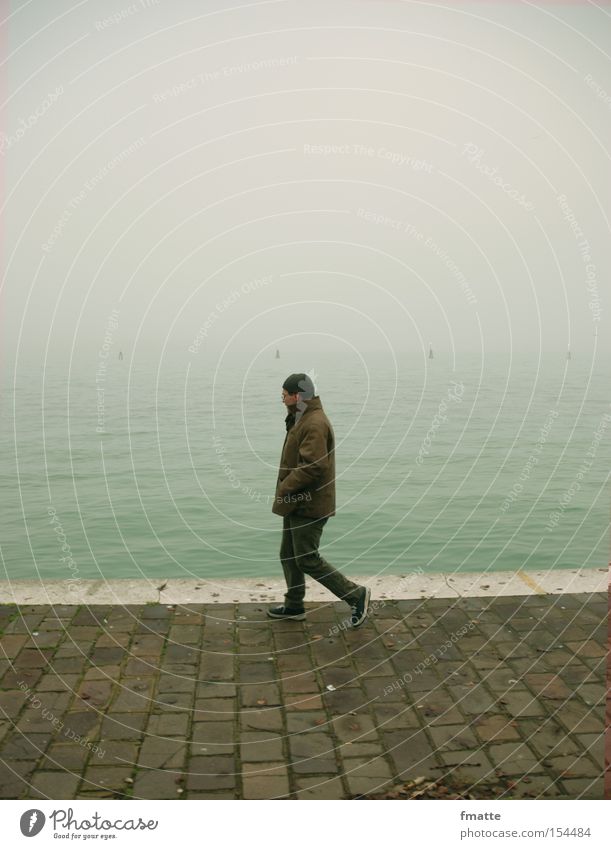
{"points": [[366, 610], [298, 616]]}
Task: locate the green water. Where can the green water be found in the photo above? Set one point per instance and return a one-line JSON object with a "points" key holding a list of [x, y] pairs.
{"points": [[179, 481]]}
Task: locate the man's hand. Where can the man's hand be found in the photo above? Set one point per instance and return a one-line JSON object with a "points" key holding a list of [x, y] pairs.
{"points": [[313, 462]]}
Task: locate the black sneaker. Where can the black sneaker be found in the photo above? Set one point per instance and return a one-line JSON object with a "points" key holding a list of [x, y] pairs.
{"points": [[283, 612], [360, 608]]}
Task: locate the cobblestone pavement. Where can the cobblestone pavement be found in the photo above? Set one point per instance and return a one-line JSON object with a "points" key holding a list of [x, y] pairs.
{"points": [[218, 701]]}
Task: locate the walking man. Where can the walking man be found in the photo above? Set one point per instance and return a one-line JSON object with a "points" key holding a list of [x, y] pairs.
{"points": [[305, 498]]}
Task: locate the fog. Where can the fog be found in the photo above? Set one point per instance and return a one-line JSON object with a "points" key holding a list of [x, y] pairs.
{"points": [[349, 175]]}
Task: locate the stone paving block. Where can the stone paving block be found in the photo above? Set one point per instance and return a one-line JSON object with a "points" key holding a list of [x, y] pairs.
{"points": [[215, 710], [70, 649], [254, 637], [153, 784], [172, 703], [215, 690], [53, 785], [123, 726], [15, 780], [154, 611], [175, 684], [358, 750], [514, 758], [213, 794], [327, 651], [57, 683], [134, 694], [32, 721], [311, 787], [5, 728], [364, 668], [322, 612], [411, 752], [386, 690], [149, 646], [447, 737], [487, 658], [109, 778], [592, 694], [495, 728], [579, 718], [468, 766], [302, 701], [107, 655], [576, 676], [372, 651], [270, 719], [346, 700], [266, 786], [594, 745], [204, 749], [367, 776], [216, 667], [293, 662], [522, 703], [112, 640], [137, 667], [573, 766], [355, 729], [34, 659], [13, 702], [584, 788], [292, 638], [547, 737], [391, 716], [95, 693], [535, 787], [256, 672], [321, 765], [547, 686], [261, 746], [157, 753], [168, 725], [114, 753], [208, 733], [311, 744], [586, 648], [188, 635], [307, 721], [100, 673], [212, 773], [475, 700], [300, 683], [24, 747], [82, 723], [258, 695], [65, 756]]}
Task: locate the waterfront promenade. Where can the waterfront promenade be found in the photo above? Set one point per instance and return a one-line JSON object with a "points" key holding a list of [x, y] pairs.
{"points": [[495, 692]]}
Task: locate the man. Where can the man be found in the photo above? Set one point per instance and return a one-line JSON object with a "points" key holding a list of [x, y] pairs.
{"points": [[305, 498]]}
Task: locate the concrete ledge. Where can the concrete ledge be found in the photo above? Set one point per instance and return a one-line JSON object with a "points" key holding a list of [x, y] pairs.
{"points": [[411, 585]]}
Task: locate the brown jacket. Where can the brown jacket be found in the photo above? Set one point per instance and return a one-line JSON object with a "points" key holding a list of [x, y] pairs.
{"points": [[306, 479]]}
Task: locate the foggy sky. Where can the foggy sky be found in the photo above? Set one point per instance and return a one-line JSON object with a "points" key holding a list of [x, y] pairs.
{"points": [[351, 175]]}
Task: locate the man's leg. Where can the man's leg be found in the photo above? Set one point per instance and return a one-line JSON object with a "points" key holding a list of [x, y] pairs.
{"points": [[306, 535], [294, 576]]}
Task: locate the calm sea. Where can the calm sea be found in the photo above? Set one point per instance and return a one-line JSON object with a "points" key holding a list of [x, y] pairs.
{"points": [[135, 471]]}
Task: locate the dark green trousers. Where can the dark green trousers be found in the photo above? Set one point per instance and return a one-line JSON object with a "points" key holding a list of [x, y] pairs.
{"points": [[299, 556]]}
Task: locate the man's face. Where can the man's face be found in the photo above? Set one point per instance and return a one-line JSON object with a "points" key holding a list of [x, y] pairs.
{"points": [[289, 400]]}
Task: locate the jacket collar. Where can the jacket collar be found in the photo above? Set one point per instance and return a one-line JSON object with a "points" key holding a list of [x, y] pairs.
{"points": [[296, 414]]}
